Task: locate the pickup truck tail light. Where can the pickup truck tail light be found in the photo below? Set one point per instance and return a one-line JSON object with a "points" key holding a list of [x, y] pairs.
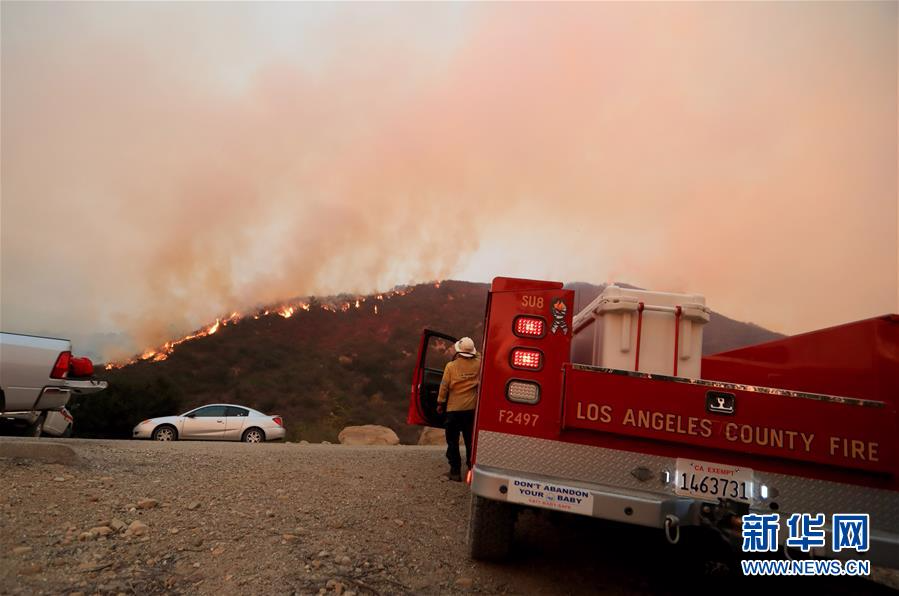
{"points": [[527, 359], [525, 326], [62, 366], [278, 420]]}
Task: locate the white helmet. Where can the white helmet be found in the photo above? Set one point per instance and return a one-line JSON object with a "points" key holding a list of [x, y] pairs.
{"points": [[465, 348]]}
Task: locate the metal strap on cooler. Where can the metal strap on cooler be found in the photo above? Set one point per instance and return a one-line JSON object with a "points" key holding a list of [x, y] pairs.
{"points": [[678, 311], [640, 308], [677, 314]]}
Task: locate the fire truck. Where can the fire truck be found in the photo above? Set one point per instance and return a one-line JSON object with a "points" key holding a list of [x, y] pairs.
{"points": [[645, 430]]}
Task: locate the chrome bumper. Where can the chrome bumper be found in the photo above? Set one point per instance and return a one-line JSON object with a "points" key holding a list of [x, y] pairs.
{"points": [[53, 398], [620, 494], [632, 507]]}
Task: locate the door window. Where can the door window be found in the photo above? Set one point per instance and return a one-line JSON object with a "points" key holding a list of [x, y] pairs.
{"points": [[439, 352], [210, 412], [234, 411]]}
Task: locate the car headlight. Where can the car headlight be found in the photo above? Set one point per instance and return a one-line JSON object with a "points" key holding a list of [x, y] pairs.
{"points": [[145, 422]]}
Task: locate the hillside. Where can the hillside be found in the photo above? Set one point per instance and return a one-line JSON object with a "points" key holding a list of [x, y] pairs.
{"points": [[322, 369]]}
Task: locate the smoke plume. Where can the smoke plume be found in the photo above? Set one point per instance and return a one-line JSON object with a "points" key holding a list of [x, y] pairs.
{"points": [[167, 163]]}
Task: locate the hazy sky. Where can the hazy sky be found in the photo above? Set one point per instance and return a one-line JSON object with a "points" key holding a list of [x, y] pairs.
{"points": [[163, 163]]}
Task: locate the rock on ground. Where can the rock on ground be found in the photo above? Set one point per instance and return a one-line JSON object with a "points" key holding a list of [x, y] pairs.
{"points": [[432, 436], [368, 434]]}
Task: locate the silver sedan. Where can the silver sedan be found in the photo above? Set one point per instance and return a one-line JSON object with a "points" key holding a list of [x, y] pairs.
{"points": [[215, 422]]}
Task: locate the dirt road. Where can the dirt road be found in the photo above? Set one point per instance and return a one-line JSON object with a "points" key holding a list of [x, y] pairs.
{"points": [[216, 518]]}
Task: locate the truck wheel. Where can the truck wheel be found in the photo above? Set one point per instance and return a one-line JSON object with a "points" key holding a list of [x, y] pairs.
{"points": [[491, 527], [35, 428]]}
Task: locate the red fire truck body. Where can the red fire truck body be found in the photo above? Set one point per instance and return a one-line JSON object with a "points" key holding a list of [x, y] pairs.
{"points": [[806, 424]]}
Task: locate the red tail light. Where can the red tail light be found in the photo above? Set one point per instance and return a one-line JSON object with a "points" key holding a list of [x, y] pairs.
{"points": [[529, 326], [62, 366], [278, 420], [527, 359]]}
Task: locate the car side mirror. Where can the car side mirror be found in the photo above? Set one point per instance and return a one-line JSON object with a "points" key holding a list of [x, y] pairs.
{"points": [[191, 415]]}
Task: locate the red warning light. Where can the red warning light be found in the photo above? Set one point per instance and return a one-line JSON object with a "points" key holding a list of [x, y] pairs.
{"points": [[530, 327], [526, 359]]}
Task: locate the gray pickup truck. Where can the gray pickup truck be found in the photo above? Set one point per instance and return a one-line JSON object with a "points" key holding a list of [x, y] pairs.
{"points": [[38, 375]]}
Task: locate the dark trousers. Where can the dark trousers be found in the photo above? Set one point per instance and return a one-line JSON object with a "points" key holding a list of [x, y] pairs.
{"points": [[458, 422]]}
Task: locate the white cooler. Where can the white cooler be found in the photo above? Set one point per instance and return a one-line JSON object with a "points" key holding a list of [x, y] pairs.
{"points": [[653, 332]]}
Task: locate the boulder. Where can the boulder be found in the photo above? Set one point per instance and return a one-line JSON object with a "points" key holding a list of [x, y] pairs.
{"points": [[433, 436], [48, 453], [368, 434]]}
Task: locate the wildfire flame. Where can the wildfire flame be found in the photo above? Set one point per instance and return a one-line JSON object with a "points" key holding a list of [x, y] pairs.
{"points": [[286, 311]]}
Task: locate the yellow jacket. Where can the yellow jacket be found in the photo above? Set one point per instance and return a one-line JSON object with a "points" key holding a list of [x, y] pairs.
{"points": [[459, 386]]}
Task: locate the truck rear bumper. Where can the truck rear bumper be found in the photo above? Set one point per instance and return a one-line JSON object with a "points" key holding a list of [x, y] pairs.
{"points": [[52, 398], [619, 494], [56, 397], [84, 386], [657, 511], [632, 507]]}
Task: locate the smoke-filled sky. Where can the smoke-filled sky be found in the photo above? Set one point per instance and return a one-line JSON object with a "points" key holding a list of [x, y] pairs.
{"points": [[164, 163]]}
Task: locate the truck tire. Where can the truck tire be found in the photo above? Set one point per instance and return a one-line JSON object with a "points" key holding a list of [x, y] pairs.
{"points": [[36, 428], [491, 528]]}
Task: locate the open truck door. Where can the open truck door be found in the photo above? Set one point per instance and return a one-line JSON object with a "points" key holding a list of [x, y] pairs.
{"points": [[435, 350]]}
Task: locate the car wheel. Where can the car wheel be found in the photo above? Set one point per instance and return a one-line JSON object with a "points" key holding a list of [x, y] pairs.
{"points": [[491, 527], [253, 435], [165, 433]]}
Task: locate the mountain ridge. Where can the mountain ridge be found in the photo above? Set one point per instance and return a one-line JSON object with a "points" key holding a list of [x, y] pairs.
{"points": [[335, 363]]}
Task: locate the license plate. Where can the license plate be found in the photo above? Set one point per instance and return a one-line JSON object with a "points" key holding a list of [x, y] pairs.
{"points": [[709, 481]]}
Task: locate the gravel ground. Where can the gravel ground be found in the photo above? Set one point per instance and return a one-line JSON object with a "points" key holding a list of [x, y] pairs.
{"points": [[210, 518]]}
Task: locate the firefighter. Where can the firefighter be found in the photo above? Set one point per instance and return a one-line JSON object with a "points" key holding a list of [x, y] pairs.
{"points": [[458, 397]]}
